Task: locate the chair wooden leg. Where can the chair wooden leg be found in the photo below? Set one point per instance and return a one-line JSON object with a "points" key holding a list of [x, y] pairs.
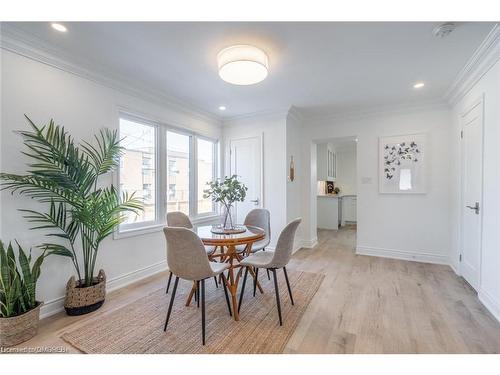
{"points": [[243, 288], [168, 283], [255, 281], [227, 295], [277, 294], [203, 311], [171, 302], [288, 285]]}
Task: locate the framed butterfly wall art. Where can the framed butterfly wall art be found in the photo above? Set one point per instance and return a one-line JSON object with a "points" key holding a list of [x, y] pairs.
{"points": [[402, 164]]}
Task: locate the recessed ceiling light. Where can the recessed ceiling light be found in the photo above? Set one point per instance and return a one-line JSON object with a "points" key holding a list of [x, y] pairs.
{"points": [[418, 85], [242, 65], [59, 27], [222, 108]]}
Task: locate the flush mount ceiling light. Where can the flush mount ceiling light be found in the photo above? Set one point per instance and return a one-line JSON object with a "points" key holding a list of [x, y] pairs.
{"points": [[59, 27], [242, 65], [222, 108], [418, 85]]}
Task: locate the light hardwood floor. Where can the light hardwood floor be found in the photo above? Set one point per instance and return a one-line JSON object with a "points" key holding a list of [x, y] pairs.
{"points": [[364, 305]]}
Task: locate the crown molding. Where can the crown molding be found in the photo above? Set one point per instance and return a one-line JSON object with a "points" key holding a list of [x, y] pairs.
{"points": [[282, 112], [295, 113], [485, 56], [30, 46], [366, 112]]}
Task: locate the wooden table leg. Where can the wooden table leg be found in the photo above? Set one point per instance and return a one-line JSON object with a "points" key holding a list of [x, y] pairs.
{"points": [[233, 285], [191, 294]]}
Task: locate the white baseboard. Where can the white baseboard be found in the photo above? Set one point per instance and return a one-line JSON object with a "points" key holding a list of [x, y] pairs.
{"points": [[403, 255], [489, 302], [454, 268], [309, 244], [56, 305]]}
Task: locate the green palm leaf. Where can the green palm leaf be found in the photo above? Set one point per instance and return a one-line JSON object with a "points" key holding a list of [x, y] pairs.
{"points": [[65, 176]]}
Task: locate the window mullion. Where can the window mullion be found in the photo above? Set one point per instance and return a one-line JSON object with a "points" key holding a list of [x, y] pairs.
{"points": [[162, 182], [193, 177]]}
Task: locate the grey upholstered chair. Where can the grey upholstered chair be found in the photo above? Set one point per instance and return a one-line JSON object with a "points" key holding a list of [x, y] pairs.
{"points": [[179, 219], [188, 260], [259, 217], [273, 260]]}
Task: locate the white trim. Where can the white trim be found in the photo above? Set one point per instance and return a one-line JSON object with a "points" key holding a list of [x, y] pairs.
{"points": [[57, 305], [485, 56], [283, 112], [30, 46], [134, 232], [477, 102], [138, 231], [308, 244], [420, 256], [368, 112], [489, 302]]}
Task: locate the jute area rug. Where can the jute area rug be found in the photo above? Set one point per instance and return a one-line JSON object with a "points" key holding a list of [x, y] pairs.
{"points": [[138, 326]]}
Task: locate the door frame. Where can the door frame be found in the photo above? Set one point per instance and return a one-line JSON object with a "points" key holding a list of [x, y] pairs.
{"points": [[260, 138], [477, 102]]}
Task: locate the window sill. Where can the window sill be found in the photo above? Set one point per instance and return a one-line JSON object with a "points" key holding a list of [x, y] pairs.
{"points": [[119, 234], [200, 220]]}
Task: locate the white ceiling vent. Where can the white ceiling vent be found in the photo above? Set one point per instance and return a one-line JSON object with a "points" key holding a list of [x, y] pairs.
{"points": [[444, 29]]}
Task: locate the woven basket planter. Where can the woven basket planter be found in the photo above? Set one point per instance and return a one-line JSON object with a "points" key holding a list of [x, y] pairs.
{"points": [[21, 328], [83, 300]]}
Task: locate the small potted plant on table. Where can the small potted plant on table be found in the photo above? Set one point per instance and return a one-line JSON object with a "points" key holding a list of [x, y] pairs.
{"points": [[226, 191]]}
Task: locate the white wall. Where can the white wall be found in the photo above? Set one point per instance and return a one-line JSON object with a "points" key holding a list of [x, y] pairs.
{"points": [[424, 234], [272, 128], [83, 107], [488, 87], [346, 170]]}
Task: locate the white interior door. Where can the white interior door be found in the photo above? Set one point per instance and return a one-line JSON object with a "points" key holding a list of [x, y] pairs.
{"points": [[472, 177], [246, 163]]}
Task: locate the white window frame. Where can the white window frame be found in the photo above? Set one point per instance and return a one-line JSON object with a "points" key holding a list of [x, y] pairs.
{"points": [[156, 222], [215, 163], [161, 177]]}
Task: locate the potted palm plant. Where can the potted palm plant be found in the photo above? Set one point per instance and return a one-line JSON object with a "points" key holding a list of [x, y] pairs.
{"points": [[226, 191], [19, 309], [81, 212]]}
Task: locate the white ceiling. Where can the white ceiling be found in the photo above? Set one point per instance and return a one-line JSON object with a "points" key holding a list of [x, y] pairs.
{"points": [[321, 68]]}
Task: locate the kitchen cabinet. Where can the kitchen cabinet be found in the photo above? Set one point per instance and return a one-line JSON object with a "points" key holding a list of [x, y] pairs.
{"points": [[326, 162], [348, 209], [328, 212]]}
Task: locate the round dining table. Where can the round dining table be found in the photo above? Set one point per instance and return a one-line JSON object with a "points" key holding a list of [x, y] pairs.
{"points": [[226, 251]]}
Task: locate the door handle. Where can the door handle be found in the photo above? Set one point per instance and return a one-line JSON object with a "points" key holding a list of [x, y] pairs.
{"points": [[475, 208], [256, 201]]}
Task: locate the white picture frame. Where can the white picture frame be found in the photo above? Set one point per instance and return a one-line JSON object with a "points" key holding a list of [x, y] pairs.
{"points": [[403, 164]]}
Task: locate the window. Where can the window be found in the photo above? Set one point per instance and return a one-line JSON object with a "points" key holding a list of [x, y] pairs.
{"points": [[167, 168], [178, 179], [138, 167], [206, 173]]}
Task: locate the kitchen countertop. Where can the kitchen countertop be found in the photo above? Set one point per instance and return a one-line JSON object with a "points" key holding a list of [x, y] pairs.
{"points": [[335, 195]]}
